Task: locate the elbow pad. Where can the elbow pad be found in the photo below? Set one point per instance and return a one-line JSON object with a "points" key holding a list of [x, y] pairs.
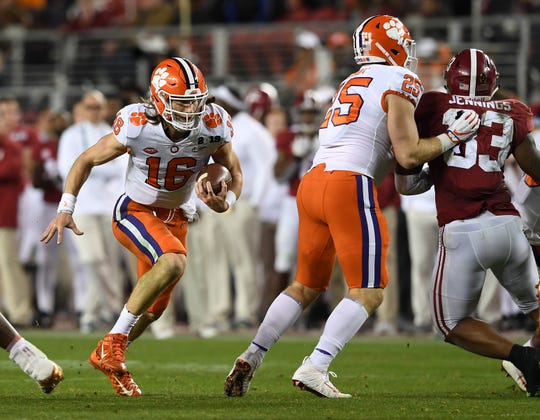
{"points": [[412, 184]]}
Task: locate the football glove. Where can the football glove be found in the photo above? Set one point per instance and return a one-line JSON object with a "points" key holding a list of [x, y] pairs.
{"points": [[464, 126]]}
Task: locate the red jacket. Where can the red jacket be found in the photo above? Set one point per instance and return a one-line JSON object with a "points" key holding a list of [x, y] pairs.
{"points": [[11, 180], [387, 194]]}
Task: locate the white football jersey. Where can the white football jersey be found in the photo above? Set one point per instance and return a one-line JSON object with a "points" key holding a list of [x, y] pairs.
{"points": [[161, 172], [527, 201], [354, 134]]}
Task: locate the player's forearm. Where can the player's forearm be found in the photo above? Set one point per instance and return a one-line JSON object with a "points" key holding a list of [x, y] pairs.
{"points": [[77, 176], [237, 181]]}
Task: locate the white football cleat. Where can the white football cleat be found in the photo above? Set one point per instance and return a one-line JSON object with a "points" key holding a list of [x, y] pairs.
{"points": [[515, 374], [239, 378], [309, 377], [35, 364]]}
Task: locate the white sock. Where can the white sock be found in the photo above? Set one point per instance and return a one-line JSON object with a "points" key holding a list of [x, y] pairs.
{"points": [[125, 322], [342, 324], [17, 347], [282, 313], [31, 360]]}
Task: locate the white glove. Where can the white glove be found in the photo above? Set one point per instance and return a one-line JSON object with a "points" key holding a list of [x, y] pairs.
{"points": [[464, 126]]}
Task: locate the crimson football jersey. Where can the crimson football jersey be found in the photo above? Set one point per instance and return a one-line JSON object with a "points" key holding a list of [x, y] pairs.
{"points": [[469, 178], [42, 152]]}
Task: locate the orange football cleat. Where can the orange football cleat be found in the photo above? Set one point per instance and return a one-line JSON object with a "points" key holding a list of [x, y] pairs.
{"points": [[109, 358]]}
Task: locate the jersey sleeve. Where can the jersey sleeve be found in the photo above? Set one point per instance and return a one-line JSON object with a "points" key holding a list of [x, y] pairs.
{"points": [[523, 121], [218, 121], [129, 122], [404, 83]]}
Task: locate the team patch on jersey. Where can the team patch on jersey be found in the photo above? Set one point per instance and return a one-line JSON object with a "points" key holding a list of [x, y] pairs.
{"points": [[212, 120], [150, 150]]}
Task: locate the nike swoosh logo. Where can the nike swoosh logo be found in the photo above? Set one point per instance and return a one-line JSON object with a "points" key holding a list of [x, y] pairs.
{"points": [[103, 354], [124, 389]]}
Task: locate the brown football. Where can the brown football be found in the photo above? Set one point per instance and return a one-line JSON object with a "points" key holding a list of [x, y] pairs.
{"points": [[215, 173]]}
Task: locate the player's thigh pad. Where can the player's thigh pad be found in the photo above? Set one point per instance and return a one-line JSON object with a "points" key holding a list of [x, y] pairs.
{"points": [[339, 213], [149, 232]]}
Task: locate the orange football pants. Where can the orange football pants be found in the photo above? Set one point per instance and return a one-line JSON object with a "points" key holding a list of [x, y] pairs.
{"points": [[149, 232], [339, 215]]}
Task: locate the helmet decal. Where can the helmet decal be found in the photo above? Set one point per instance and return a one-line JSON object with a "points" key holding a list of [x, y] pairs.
{"points": [[395, 30], [159, 79]]}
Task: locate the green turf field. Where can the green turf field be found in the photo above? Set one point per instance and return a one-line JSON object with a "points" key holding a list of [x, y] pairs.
{"points": [[183, 378]]}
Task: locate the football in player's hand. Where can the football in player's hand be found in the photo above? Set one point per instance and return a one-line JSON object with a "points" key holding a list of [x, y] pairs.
{"points": [[214, 173]]}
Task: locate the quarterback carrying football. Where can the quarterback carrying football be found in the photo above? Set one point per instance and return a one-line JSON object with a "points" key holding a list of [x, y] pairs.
{"points": [[169, 138]]}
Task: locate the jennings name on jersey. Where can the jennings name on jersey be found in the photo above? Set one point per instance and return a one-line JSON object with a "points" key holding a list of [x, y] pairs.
{"points": [[469, 178], [161, 173]]}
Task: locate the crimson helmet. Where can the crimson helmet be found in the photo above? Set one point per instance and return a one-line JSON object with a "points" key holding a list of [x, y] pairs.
{"points": [[260, 99], [384, 39], [471, 73], [178, 79]]}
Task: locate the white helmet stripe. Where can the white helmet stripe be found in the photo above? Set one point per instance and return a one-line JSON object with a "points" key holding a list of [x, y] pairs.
{"points": [[472, 82], [386, 54], [192, 80], [358, 34]]}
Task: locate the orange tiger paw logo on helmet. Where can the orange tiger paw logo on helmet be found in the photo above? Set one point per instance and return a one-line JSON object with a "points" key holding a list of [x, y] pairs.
{"points": [[212, 120]]}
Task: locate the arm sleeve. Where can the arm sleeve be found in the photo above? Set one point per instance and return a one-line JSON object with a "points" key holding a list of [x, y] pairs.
{"points": [[413, 184]]}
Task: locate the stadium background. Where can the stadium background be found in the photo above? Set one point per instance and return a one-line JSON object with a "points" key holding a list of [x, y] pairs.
{"points": [[47, 57]]}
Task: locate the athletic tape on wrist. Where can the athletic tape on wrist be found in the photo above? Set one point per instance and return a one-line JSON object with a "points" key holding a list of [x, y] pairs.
{"points": [[67, 203], [446, 142], [230, 198]]}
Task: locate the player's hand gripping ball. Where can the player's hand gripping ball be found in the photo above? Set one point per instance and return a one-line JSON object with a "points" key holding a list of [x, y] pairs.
{"points": [[214, 173]]}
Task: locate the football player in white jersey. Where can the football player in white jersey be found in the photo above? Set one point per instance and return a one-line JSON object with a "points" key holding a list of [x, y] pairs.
{"points": [[480, 228], [369, 123], [169, 139]]}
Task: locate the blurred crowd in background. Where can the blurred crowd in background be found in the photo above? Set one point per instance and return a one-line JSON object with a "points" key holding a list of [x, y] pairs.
{"points": [[226, 287], [77, 15]]}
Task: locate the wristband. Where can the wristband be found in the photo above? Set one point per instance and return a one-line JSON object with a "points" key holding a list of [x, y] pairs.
{"points": [[67, 203], [446, 142], [230, 198]]}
